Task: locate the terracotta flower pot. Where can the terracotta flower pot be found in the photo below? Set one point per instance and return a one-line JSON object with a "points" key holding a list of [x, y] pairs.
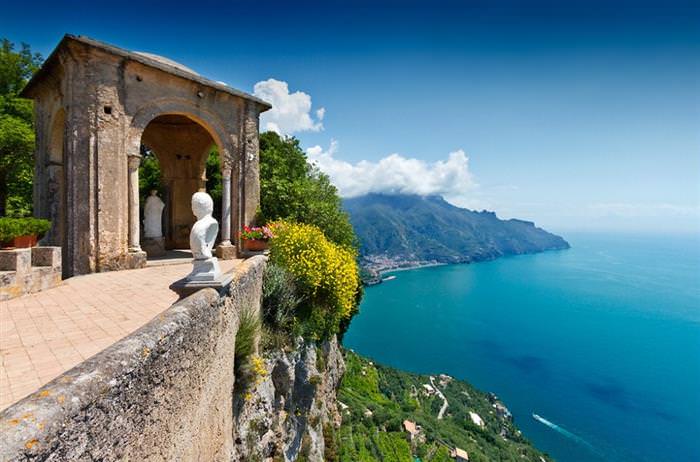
{"points": [[22, 242], [255, 245]]}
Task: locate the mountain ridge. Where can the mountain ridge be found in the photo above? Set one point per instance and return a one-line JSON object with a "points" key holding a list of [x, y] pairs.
{"points": [[397, 230]]}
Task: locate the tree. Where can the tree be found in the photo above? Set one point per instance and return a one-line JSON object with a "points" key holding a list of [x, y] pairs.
{"points": [[291, 189], [215, 180], [16, 130]]}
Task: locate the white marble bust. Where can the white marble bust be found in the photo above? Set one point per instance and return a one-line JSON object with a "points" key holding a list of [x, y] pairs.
{"points": [[152, 213], [206, 271], [205, 229]]}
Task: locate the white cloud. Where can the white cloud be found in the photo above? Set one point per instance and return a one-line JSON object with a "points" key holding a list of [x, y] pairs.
{"points": [[450, 178], [291, 112]]}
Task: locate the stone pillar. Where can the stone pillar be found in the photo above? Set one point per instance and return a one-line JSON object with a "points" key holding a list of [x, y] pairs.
{"points": [[251, 166], [134, 235], [225, 250], [226, 208], [136, 258]]}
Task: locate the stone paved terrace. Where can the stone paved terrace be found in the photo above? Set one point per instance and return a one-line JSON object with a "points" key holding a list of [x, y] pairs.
{"points": [[45, 334]]}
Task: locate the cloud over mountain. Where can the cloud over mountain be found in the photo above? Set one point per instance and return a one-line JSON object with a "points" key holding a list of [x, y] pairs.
{"points": [[396, 174], [291, 112]]}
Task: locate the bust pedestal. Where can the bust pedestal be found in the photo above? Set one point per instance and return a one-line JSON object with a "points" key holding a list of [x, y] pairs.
{"points": [[153, 246], [153, 242], [226, 251], [205, 273]]}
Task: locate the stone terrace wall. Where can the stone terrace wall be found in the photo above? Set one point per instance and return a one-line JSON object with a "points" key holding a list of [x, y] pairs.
{"points": [[25, 271], [162, 393]]}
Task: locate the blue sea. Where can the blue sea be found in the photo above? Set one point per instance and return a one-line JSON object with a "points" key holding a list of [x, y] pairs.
{"points": [[602, 341]]}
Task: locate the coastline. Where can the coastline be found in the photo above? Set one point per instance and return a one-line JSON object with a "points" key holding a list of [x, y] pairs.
{"points": [[499, 355], [411, 267], [378, 270]]}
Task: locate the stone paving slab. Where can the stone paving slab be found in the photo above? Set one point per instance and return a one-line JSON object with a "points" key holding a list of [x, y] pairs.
{"points": [[43, 335]]}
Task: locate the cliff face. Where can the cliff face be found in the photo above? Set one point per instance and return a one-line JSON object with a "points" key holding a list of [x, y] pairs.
{"points": [[291, 413], [318, 403]]}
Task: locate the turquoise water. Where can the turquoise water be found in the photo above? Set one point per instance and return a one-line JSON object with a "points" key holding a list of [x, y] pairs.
{"points": [[602, 341]]}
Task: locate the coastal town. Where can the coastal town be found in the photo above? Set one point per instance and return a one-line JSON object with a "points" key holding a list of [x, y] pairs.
{"points": [[373, 267]]}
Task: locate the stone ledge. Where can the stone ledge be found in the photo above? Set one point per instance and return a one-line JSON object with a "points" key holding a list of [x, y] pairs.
{"points": [[185, 288]]}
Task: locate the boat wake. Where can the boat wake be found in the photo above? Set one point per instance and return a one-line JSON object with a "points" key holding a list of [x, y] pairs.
{"points": [[564, 432]]}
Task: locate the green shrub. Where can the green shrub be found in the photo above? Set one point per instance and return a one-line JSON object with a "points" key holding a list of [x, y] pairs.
{"points": [[11, 228], [248, 331], [330, 443], [326, 276], [280, 298]]}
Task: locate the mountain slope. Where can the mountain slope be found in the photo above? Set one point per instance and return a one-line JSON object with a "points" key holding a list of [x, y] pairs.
{"points": [[415, 228], [376, 400]]}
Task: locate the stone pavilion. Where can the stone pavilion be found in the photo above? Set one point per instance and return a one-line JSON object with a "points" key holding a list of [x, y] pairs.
{"points": [[96, 108]]}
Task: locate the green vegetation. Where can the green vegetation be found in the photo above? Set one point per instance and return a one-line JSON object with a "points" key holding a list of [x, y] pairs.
{"points": [[244, 359], [293, 190], [280, 300], [149, 174], [214, 181], [248, 330], [392, 396], [313, 287], [16, 130], [11, 228]]}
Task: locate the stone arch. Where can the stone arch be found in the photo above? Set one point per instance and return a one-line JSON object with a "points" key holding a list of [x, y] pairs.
{"points": [[155, 125], [180, 106]]}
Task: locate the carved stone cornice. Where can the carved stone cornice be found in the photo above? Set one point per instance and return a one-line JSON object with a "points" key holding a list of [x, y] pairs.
{"points": [[133, 161]]}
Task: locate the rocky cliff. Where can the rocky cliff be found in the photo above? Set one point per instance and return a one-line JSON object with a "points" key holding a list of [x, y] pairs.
{"points": [[321, 403], [290, 413]]}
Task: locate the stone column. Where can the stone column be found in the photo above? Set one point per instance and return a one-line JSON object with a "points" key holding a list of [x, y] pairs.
{"points": [[226, 208], [134, 237], [225, 250], [250, 164]]}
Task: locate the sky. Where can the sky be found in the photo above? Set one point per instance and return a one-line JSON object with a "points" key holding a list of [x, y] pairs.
{"points": [[575, 115]]}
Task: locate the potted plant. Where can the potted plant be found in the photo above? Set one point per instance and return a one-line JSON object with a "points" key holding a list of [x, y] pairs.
{"points": [[255, 237], [22, 232]]}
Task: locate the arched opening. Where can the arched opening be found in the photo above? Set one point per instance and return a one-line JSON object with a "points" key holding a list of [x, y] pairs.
{"points": [[178, 158], [56, 187]]}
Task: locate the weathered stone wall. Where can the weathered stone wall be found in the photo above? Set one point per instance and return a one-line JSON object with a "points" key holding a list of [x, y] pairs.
{"points": [[164, 392]]}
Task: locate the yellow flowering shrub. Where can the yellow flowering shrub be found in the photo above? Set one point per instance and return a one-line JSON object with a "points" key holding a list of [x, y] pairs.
{"points": [[258, 368], [326, 272], [255, 374]]}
